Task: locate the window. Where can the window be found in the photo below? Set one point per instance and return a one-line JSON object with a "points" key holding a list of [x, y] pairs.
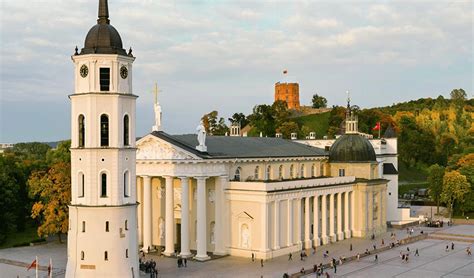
{"points": [[104, 79], [83, 226], [292, 171], [280, 172], [126, 253], [104, 130], [106, 226], [82, 131], [313, 170], [237, 174], [302, 171], [257, 172], [103, 185], [126, 184], [80, 188], [82, 255], [268, 173], [126, 225], [106, 256], [125, 131], [342, 172]]}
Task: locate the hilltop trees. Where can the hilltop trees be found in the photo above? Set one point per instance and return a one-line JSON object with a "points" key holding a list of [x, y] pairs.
{"points": [[213, 124], [319, 101]]}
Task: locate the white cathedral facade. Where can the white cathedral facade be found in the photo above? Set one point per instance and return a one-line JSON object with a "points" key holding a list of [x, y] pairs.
{"points": [[201, 196]]}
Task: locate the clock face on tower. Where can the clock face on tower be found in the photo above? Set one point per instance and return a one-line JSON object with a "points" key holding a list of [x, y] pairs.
{"points": [[123, 72], [84, 71]]}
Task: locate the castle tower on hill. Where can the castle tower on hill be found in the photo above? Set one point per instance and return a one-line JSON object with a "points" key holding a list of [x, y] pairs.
{"points": [[288, 92], [102, 236]]}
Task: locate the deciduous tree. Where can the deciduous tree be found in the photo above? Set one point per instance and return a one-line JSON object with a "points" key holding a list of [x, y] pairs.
{"points": [[435, 180], [455, 189], [319, 101]]}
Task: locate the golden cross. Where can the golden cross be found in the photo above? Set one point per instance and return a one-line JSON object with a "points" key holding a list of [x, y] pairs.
{"points": [[155, 92]]}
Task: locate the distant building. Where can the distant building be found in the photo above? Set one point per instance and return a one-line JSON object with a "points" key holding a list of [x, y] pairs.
{"points": [[4, 146], [288, 92]]}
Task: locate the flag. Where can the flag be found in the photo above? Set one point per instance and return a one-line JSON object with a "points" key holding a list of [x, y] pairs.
{"points": [[377, 126], [285, 71], [33, 264]]}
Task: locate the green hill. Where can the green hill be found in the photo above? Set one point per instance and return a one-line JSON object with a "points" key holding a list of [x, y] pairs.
{"points": [[318, 123]]}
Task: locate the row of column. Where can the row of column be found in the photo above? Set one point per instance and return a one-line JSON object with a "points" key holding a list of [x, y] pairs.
{"points": [[201, 232], [295, 225]]}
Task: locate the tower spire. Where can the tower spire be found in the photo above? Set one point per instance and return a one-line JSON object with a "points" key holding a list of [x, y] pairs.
{"points": [[103, 12]]}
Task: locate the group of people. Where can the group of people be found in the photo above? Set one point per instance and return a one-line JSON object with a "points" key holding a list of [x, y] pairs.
{"points": [[182, 262], [148, 266]]}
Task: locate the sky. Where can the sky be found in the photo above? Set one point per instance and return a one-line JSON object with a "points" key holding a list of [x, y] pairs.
{"points": [[227, 55]]}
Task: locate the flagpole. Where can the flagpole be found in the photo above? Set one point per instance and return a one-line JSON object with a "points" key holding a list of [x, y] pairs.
{"points": [[380, 128], [36, 266]]}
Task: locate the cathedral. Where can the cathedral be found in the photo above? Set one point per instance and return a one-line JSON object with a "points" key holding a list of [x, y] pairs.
{"points": [[198, 196]]}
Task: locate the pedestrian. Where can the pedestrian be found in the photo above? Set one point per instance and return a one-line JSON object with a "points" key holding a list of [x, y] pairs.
{"points": [[301, 256], [335, 269], [315, 268], [253, 257], [383, 242], [403, 257], [376, 258], [408, 249], [302, 270], [406, 258], [179, 262], [185, 262], [261, 262], [375, 247], [468, 250], [452, 245], [358, 256], [447, 248], [290, 257], [327, 275], [350, 247], [416, 252]]}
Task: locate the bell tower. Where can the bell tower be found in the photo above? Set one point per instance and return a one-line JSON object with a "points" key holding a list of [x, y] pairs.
{"points": [[102, 236]]}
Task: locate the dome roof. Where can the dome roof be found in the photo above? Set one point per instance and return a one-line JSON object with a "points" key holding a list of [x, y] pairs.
{"points": [[103, 38], [352, 148]]}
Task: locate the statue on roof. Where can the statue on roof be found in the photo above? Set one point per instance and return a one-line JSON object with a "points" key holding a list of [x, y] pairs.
{"points": [[201, 137]]}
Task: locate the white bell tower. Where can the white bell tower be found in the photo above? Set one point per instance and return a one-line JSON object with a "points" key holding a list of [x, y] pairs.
{"points": [[102, 236]]}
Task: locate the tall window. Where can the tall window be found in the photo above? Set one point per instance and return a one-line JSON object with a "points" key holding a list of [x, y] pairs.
{"points": [[104, 130], [292, 171], [126, 184], [82, 131], [125, 131], [257, 173], [104, 79], [342, 172], [126, 225], [126, 253], [302, 171], [83, 226], [103, 185], [106, 256], [268, 173], [280, 172], [237, 174], [313, 170], [106, 226], [82, 255], [81, 181]]}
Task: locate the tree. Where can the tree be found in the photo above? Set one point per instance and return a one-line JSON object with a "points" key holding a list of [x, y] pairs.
{"points": [[319, 101], [280, 112], [213, 124], [287, 128], [262, 119], [239, 118], [455, 188], [435, 180], [52, 189], [458, 95], [60, 154]]}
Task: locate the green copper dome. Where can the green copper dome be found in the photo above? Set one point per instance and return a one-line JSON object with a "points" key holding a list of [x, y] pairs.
{"points": [[352, 148]]}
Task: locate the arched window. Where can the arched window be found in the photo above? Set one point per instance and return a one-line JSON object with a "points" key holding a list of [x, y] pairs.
{"points": [[268, 172], [256, 175], [82, 131], [126, 225], [280, 172], [237, 174], [302, 171], [321, 169], [82, 255], [106, 256], [292, 171], [106, 226], [103, 185], [80, 188], [126, 184], [313, 170], [104, 130], [126, 131]]}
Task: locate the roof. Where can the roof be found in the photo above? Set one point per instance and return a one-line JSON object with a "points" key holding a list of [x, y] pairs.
{"points": [[389, 169], [241, 147], [103, 38], [352, 148]]}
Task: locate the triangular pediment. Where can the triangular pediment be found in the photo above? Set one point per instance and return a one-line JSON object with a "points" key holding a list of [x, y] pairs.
{"points": [[153, 148], [245, 215]]}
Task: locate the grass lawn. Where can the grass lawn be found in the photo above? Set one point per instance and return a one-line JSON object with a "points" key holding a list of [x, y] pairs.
{"points": [[318, 123], [404, 188], [470, 214], [411, 175], [28, 235]]}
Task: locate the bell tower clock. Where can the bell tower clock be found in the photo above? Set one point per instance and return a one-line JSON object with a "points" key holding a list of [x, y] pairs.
{"points": [[102, 236]]}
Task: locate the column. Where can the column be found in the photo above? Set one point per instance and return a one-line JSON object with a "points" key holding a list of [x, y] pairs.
{"points": [[221, 184], [332, 236], [316, 221], [146, 213], [307, 226], [290, 223], [324, 207], [352, 212], [185, 252], [265, 229], [276, 228], [201, 220], [340, 234], [169, 217], [347, 231], [298, 222]]}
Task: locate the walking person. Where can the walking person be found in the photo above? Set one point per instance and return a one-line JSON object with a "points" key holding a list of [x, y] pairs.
{"points": [[452, 245], [376, 258], [290, 257], [358, 256], [408, 249], [350, 247], [253, 257], [416, 252], [185, 262], [261, 262], [447, 248]]}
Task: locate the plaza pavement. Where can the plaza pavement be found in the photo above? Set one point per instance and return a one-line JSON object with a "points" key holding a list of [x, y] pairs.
{"points": [[432, 262]]}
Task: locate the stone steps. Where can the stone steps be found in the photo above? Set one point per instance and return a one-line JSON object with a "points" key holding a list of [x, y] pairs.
{"points": [[461, 238]]}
